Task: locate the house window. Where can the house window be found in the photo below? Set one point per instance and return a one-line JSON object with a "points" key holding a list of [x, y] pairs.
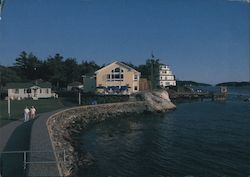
{"points": [[117, 70], [135, 77], [40, 90], [115, 75], [16, 91], [28, 90], [47, 90], [135, 88]]}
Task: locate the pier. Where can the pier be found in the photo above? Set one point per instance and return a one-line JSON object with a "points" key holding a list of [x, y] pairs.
{"points": [[192, 96]]}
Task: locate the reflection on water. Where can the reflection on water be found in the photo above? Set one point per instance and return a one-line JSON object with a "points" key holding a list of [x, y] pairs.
{"points": [[199, 139]]}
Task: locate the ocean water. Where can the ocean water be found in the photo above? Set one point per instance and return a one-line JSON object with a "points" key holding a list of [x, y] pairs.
{"points": [[197, 139]]}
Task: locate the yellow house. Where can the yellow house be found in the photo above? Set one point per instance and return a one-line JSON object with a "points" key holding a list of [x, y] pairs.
{"points": [[118, 77]]}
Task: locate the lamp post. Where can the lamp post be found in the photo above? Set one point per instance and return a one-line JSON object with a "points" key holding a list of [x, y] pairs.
{"points": [[9, 106], [79, 97], [83, 76]]}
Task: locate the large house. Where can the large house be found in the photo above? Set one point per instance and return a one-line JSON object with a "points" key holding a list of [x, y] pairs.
{"points": [[34, 90], [166, 77], [117, 77]]}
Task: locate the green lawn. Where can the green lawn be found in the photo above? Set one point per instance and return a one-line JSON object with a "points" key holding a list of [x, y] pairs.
{"points": [[17, 107]]}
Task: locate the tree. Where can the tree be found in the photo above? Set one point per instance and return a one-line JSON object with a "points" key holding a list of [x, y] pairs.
{"points": [[150, 71], [56, 70], [154, 71], [27, 66], [8, 74], [88, 68], [71, 70]]}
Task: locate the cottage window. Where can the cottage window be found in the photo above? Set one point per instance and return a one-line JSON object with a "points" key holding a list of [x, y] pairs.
{"points": [[135, 88], [16, 91], [40, 90]]}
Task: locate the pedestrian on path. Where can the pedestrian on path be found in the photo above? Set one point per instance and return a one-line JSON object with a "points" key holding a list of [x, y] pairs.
{"points": [[32, 112], [26, 114]]}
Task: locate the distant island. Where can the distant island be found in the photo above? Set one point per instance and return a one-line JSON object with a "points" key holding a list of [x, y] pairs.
{"points": [[234, 84], [191, 83]]}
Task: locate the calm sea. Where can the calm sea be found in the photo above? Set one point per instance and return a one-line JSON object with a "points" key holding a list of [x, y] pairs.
{"points": [[199, 139]]}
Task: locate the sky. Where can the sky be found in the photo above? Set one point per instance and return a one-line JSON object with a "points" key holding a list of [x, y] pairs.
{"points": [[202, 40]]}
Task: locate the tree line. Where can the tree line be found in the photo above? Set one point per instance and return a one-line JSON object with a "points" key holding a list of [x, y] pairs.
{"points": [[61, 71]]}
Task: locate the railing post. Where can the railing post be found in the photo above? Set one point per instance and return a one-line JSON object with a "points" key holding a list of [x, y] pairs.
{"points": [[24, 159]]}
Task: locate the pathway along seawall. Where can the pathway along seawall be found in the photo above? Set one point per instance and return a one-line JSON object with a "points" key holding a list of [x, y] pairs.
{"points": [[64, 126]]}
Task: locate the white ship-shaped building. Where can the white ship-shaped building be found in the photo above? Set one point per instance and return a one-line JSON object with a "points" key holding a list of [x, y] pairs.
{"points": [[166, 77]]}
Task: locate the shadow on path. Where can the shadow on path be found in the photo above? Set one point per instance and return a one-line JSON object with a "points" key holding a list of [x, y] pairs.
{"points": [[12, 164]]}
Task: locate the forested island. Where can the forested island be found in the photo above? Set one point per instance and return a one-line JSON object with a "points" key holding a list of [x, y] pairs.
{"points": [[234, 84], [191, 83]]}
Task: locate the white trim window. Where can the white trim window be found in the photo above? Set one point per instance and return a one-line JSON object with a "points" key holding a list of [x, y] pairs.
{"points": [[116, 75], [136, 77]]}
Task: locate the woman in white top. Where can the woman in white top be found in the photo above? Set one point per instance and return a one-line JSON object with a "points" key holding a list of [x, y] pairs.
{"points": [[32, 112]]}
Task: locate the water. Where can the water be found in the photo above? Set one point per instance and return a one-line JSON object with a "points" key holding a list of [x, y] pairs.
{"points": [[198, 139]]}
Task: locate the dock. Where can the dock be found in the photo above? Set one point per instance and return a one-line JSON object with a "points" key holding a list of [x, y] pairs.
{"points": [[193, 95]]}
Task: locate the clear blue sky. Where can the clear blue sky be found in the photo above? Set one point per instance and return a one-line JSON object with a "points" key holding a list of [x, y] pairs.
{"points": [[202, 40]]}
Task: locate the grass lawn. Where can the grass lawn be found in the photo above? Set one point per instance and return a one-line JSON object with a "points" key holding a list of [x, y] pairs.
{"points": [[17, 107]]}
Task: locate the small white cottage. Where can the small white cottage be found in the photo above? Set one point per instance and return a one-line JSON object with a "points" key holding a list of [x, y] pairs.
{"points": [[34, 90]]}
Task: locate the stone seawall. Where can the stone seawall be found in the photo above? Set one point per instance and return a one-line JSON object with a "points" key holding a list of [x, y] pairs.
{"points": [[65, 125]]}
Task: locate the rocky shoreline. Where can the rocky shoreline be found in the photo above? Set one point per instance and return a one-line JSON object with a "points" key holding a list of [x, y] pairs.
{"points": [[65, 125]]}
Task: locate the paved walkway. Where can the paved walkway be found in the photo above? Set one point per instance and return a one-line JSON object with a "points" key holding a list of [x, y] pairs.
{"points": [[40, 141], [14, 136], [28, 136]]}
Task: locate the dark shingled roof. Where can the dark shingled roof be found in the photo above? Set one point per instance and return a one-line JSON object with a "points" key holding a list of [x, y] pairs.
{"points": [[28, 84]]}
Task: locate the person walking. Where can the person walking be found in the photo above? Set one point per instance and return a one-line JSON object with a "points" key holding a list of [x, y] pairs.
{"points": [[26, 114], [32, 112]]}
